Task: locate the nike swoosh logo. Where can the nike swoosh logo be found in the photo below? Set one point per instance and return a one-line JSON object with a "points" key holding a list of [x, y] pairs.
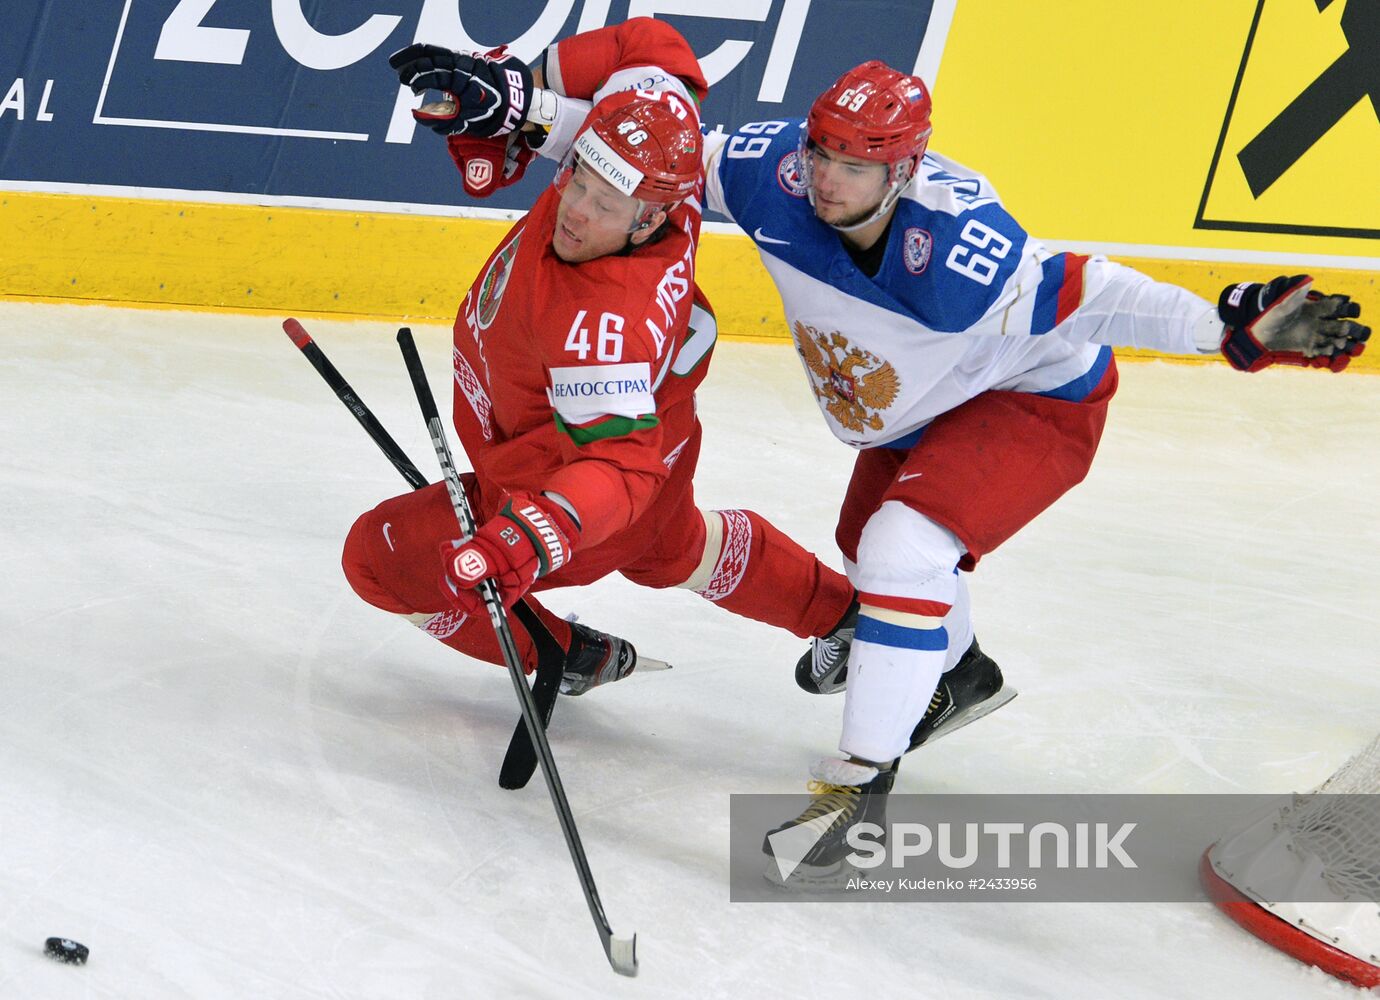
{"points": [[760, 238], [386, 538], [909, 475]]}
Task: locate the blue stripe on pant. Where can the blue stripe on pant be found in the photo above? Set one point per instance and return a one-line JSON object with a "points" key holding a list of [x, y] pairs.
{"points": [[899, 637]]}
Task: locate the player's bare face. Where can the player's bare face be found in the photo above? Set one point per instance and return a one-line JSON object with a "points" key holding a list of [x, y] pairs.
{"points": [[593, 218], [846, 189]]}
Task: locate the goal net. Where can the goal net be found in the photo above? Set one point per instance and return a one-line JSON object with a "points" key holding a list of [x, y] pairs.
{"points": [[1323, 847]]}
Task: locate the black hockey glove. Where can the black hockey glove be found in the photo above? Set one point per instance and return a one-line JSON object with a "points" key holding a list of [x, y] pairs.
{"points": [[486, 95], [1287, 323]]}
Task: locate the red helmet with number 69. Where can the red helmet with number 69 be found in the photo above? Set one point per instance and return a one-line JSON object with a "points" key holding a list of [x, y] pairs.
{"points": [[874, 113]]}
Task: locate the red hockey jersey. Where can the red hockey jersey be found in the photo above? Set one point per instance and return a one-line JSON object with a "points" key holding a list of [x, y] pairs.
{"points": [[579, 379]]}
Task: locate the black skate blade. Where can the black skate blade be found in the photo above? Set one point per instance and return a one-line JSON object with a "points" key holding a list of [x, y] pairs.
{"points": [[960, 719], [644, 663]]}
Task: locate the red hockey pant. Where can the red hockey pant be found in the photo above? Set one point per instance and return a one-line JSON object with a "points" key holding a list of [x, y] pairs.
{"points": [[983, 470], [392, 560]]}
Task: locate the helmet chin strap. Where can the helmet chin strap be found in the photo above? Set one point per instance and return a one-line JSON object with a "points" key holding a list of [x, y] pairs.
{"points": [[902, 172], [648, 212], [645, 223]]}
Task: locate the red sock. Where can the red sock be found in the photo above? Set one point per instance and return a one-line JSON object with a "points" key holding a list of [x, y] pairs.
{"points": [[474, 635], [762, 574]]}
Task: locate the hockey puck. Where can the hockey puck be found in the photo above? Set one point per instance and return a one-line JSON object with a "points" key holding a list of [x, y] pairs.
{"points": [[66, 950]]}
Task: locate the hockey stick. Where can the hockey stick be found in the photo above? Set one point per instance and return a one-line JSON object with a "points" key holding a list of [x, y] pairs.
{"points": [[346, 394], [520, 760], [621, 952]]}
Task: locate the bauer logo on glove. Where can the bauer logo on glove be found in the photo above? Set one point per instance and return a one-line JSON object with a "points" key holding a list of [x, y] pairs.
{"points": [[482, 95]]}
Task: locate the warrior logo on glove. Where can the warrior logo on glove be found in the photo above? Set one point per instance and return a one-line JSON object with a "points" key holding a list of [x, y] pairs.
{"points": [[470, 566], [478, 173], [530, 537], [550, 537]]}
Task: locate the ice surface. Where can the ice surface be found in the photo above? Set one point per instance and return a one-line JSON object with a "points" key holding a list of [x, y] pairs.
{"points": [[232, 779]]}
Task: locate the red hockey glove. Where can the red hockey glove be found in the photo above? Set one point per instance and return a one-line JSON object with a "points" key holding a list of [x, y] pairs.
{"points": [[1287, 323], [529, 538], [486, 95], [489, 164]]}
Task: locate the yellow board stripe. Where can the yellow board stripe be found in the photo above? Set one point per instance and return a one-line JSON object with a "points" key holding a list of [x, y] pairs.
{"points": [[239, 257], [317, 262]]}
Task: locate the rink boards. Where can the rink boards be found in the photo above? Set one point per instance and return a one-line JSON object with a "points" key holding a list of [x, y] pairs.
{"points": [[215, 158]]}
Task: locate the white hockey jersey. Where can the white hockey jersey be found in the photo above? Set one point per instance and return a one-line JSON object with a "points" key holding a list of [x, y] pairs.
{"points": [[964, 300]]}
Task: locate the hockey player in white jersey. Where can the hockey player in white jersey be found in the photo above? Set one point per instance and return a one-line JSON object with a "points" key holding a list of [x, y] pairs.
{"points": [[972, 369]]}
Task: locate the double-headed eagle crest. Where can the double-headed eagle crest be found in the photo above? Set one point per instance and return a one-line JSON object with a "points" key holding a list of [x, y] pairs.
{"points": [[852, 384]]}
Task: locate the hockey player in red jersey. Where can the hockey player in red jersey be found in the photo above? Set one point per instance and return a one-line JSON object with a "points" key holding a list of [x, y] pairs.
{"points": [[577, 351]]}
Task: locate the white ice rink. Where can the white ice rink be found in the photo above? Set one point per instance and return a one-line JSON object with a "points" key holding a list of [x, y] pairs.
{"points": [[232, 779]]}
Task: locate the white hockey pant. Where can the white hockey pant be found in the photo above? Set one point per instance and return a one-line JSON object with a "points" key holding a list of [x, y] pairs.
{"points": [[913, 625]]}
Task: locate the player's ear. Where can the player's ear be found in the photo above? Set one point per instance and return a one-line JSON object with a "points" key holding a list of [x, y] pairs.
{"points": [[650, 225]]}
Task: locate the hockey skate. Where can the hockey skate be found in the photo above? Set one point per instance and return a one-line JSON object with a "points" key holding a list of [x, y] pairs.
{"points": [[972, 689], [824, 669], [810, 852], [596, 658]]}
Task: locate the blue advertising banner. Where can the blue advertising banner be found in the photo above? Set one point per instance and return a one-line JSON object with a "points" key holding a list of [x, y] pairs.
{"points": [[293, 102]]}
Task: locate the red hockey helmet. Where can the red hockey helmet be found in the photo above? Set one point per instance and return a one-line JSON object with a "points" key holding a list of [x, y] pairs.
{"points": [[663, 146], [647, 148], [873, 112]]}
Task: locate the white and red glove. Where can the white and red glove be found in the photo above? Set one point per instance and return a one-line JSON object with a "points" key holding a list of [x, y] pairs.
{"points": [[1287, 323], [489, 164], [530, 537]]}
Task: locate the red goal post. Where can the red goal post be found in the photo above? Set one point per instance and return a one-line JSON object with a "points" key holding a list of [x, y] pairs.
{"points": [[1323, 847]]}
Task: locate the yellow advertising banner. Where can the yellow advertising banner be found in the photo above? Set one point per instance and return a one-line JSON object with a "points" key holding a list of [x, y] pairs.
{"points": [[1299, 151], [1228, 127]]}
